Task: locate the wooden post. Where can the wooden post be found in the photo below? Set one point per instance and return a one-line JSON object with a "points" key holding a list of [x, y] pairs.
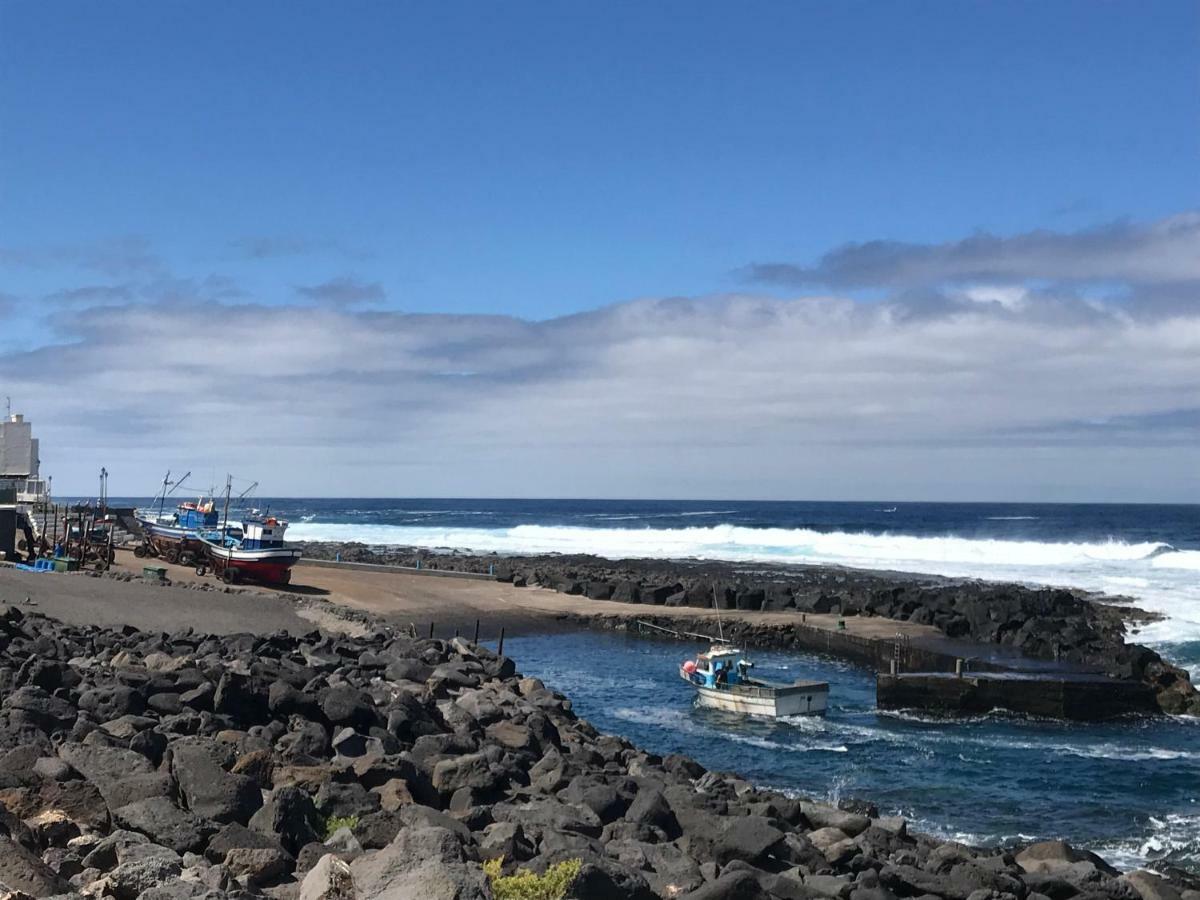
{"points": [[431, 631], [83, 539], [456, 632], [500, 646], [476, 640], [893, 667], [958, 668]]}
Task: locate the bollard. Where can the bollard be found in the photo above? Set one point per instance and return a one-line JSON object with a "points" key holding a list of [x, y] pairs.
{"points": [[803, 617], [500, 646], [491, 568], [893, 667], [476, 639], [418, 565], [958, 668], [431, 631]]}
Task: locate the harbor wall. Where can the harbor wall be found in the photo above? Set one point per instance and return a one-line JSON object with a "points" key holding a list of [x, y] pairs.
{"points": [[1045, 695]]}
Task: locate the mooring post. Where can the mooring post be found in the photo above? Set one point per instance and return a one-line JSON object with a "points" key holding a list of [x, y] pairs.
{"points": [[476, 638], [958, 668], [500, 646], [431, 631], [418, 564], [892, 666], [491, 568], [456, 632]]}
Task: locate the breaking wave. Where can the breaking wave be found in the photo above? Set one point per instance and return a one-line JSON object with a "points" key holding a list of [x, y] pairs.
{"points": [[1155, 574]]}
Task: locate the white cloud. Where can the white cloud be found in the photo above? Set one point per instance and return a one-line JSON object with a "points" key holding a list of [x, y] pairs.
{"points": [[718, 396]]}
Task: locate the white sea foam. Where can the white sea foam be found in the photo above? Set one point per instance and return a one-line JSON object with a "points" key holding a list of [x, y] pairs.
{"points": [[1158, 576], [1172, 838]]}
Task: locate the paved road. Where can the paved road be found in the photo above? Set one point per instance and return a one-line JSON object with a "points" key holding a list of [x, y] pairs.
{"points": [[83, 600]]}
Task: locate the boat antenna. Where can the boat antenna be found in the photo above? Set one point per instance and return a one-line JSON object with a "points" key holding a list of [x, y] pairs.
{"points": [[720, 628]]}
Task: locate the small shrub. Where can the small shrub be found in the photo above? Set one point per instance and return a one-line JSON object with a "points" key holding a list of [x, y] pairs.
{"points": [[333, 823], [524, 885]]}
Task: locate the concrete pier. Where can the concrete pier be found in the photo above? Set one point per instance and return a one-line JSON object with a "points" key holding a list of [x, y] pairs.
{"points": [[1052, 695]]}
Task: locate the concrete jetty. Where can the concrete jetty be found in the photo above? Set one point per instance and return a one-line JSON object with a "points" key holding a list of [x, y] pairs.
{"points": [[1056, 695]]}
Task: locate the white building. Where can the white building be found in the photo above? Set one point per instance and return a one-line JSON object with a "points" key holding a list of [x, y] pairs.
{"points": [[19, 463]]}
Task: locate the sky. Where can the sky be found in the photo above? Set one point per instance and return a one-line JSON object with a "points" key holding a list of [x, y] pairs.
{"points": [[940, 251]]}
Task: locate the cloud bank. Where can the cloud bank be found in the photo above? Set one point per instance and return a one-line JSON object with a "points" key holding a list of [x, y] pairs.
{"points": [[998, 386], [1165, 251]]}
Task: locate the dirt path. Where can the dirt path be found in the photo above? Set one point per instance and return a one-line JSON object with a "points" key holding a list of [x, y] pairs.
{"points": [[401, 598]]}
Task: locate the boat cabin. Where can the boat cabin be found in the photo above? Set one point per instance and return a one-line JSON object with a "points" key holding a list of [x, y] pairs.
{"points": [[720, 666], [263, 534], [197, 515]]}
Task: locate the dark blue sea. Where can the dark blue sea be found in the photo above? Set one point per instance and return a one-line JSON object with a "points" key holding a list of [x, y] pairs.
{"points": [[1130, 789]]}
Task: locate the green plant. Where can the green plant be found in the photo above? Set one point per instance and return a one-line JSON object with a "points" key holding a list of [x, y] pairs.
{"points": [[524, 885], [333, 823]]}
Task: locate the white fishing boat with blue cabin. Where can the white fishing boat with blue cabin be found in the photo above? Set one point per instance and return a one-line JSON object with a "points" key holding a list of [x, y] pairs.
{"points": [[722, 681]]}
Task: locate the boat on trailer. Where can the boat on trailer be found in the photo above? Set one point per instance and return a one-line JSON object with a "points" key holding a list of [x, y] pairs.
{"points": [[177, 539], [722, 681], [259, 554]]}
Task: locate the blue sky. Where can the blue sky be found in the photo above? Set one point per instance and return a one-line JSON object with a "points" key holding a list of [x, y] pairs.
{"points": [[534, 162]]}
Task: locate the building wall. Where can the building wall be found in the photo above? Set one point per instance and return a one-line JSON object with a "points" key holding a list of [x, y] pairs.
{"points": [[18, 449]]}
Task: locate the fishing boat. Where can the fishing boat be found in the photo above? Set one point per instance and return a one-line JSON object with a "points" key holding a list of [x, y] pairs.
{"points": [[259, 554], [177, 538], [722, 681]]}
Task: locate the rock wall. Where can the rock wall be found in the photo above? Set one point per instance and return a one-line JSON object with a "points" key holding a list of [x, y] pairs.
{"points": [[141, 766]]}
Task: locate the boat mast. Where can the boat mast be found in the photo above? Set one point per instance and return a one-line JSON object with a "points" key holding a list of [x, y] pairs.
{"points": [[228, 489], [716, 606], [163, 502]]}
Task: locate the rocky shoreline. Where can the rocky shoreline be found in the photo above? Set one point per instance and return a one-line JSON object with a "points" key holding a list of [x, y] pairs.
{"points": [[143, 766], [1041, 623]]}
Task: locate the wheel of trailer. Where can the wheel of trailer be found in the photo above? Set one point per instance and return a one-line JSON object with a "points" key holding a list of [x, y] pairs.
{"points": [[285, 578], [139, 551], [112, 557], [201, 570], [101, 565], [230, 575], [173, 555], [187, 558]]}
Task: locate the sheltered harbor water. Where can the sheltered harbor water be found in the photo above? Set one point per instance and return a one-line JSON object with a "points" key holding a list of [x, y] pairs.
{"points": [[1128, 789]]}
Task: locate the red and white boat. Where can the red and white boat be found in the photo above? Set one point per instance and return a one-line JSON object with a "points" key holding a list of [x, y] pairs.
{"points": [[258, 555]]}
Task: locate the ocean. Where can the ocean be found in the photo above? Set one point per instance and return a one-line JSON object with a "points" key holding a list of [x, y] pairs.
{"points": [[1128, 789]]}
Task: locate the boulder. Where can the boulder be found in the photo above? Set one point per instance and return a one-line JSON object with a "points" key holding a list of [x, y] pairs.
{"points": [[258, 865], [1150, 886], [1054, 857], [234, 836], [207, 789], [164, 823], [288, 816], [821, 816], [735, 885], [329, 879], [420, 864], [21, 870]]}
